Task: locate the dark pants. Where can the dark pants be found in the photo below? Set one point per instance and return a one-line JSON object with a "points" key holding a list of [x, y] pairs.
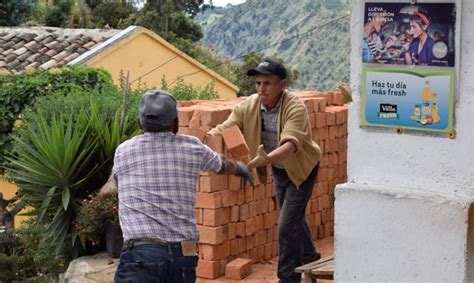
{"points": [[156, 263], [294, 234]]}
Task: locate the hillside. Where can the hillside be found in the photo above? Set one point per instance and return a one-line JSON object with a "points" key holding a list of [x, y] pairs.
{"points": [[300, 31]]}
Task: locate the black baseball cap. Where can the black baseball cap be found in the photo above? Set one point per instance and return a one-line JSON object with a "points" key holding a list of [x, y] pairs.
{"points": [[269, 67], [158, 108]]}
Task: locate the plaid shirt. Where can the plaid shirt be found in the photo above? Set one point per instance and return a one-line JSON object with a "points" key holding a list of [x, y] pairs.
{"points": [[157, 175]]}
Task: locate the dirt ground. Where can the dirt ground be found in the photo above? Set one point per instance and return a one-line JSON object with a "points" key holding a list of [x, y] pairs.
{"points": [[266, 272]]}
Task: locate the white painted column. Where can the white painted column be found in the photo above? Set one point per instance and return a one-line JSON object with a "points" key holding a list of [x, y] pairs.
{"points": [[406, 212]]}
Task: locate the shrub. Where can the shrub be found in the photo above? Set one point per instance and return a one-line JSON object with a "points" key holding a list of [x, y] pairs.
{"points": [[59, 159], [20, 91], [97, 211], [184, 91]]}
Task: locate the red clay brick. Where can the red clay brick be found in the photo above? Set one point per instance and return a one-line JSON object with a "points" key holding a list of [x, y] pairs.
{"points": [[208, 200], [185, 114], [213, 235], [214, 117], [250, 242], [216, 143], [238, 269], [216, 252], [195, 120], [260, 253], [199, 216], [242, 246], [320, 120], [209, 269], [240, 229], [216, 217], [235, 142], [234, 182], [244, 212], [250, 226], [234, 213], [249, 194], [212, 183], [330, 118], [260, 237], [269, 219], [197, 132], [252, 209], [321, 133], [232, 230], [234, 246], [269, 192]]}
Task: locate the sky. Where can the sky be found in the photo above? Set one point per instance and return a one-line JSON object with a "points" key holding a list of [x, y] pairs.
{"points": [[225, 2]]}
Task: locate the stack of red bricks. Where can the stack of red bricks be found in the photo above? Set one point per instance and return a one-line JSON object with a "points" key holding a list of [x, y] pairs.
{"points": [[243, 223]]}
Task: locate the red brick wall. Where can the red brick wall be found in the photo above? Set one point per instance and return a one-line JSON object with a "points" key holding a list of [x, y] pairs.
{"points": [[235, 223]]}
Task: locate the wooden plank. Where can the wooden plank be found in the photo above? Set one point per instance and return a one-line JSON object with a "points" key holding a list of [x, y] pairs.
{"points": [[312, 265], [326, 269]]}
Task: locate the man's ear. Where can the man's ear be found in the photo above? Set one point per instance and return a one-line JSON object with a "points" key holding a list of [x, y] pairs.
{"points": [[283, 84]]}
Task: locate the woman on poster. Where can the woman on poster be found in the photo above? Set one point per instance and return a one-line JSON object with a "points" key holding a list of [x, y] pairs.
{"points": [[420, 50]]}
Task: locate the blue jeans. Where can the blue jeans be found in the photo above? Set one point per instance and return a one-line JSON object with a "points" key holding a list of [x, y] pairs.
{"points": [[156, 263], [294, 234]]}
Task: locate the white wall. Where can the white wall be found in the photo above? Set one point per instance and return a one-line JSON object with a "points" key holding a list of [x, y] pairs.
{"points": [[414, 159], [406, 213], [386, 234]]}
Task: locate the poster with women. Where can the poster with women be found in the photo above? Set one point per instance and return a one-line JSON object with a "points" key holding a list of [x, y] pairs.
{"points": [[409, 64]]}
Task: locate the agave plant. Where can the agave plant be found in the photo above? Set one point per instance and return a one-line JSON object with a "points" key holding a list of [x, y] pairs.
{"points": [[59, 160]]}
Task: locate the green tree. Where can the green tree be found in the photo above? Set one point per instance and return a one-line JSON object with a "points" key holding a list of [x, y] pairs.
{"points": [[53, 13], [13, 13], [170, 19], [110, 13], [246, 84]]}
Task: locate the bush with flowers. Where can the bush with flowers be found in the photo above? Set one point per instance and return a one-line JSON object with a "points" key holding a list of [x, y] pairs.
{"points": [[96, 213]]}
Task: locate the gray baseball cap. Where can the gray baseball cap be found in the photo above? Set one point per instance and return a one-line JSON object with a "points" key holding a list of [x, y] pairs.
{"points": [[158, 108]]}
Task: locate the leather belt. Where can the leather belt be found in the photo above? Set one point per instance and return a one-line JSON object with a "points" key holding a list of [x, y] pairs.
{"points": [[130, 244]]}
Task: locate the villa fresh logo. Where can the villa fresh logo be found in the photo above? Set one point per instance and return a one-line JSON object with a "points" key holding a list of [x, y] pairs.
{"points": [[388, 111]]}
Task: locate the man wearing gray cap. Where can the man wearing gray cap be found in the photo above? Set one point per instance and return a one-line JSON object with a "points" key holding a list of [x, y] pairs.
{"points": [[275, 125], [156, 175]]}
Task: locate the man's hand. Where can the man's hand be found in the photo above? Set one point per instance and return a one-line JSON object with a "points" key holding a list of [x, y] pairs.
{"points": [[245, 173], [261, 159]]}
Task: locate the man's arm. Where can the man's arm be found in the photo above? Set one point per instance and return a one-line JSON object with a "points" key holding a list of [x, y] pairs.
{"points": [[236, 167]]}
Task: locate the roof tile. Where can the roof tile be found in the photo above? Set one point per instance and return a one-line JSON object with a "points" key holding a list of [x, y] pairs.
{"points": [[51, 63], [20, 51], [46, 47], [62, 55]]}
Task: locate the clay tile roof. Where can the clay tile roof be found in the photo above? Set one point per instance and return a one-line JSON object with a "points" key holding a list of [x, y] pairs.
{"points": [[47, 47]]}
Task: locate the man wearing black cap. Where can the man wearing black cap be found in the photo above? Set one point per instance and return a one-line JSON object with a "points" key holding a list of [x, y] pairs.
{"points": [[275, 125], [156, 175]]}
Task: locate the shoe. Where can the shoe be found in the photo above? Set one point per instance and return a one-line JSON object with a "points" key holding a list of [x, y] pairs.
{"points": [[307, 258]]}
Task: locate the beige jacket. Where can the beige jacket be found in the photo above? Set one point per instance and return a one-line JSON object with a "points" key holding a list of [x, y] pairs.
{"points": [[293, 125]]}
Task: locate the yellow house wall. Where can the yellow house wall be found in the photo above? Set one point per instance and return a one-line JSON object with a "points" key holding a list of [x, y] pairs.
{"points": [[9, 190], [143, 52]]}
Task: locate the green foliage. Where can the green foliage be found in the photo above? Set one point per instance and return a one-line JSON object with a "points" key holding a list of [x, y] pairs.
{"points": [[14, 13], [9, 243], [37, 248], [26, 254], [20, 91], [183, 91], [57, 14], [246, 84], [111, 13], [97, 211], [15, 264], [59, 159]]}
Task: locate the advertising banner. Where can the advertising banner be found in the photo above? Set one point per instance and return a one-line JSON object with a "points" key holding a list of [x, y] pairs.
{"points": [[408, 57]]}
